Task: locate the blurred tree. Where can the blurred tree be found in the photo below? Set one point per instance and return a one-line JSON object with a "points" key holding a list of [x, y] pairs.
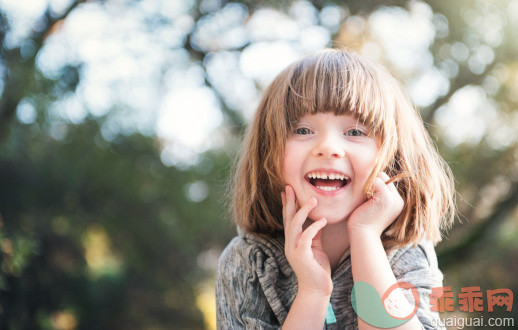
{"points": [[96, 232]]}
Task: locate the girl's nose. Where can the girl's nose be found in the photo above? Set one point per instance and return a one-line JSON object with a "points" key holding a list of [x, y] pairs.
{"points": [[329, 147]]}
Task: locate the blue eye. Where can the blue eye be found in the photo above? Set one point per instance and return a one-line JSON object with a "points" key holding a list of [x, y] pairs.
{"points": [[354, 132], [302, 131]]}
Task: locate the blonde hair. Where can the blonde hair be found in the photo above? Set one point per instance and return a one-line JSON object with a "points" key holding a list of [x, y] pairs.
{"points": [[341, 82]]}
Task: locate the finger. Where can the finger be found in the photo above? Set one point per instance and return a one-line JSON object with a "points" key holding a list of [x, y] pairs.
{"points": [[283, 200], [302, 214], [298, 220], [290, 233], [388, 198], [379, 188], [392, 187], [290, 204], [317, 239], [306, 240], [395, 180], [389, 182], [384, 176]]}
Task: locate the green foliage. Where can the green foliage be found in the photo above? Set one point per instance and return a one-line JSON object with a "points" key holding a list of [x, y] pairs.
{"points": [[120, 197], [97, 233]]}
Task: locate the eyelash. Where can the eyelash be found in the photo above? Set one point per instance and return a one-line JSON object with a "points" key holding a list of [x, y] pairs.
{"points": [[298, 130], [308, 131], [357, 130]]}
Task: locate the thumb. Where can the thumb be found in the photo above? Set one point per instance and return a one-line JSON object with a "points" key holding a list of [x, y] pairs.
{"points": [[312, 236], [317, 240]]}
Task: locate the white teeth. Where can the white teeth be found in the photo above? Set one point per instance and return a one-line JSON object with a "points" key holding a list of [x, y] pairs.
{"points": [[331, 176], [324, 188]]}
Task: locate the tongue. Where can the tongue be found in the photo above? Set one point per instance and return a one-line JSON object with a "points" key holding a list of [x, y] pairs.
{"points": [[327, 183]]}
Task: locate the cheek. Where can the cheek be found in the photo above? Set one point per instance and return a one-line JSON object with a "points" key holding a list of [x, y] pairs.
{"points": [[290, 161], [365, 165], [369, 159], [288, 172]]}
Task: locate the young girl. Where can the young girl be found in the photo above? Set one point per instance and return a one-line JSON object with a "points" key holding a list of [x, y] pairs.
{"points": [[337, 182]]}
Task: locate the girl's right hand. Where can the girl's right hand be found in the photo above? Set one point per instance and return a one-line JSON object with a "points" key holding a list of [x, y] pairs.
{"points": [[303, 249]]}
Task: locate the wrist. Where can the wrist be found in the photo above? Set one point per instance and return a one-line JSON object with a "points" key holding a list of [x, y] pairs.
{"points": [[363, 230], [316, 294], [308, 311]]}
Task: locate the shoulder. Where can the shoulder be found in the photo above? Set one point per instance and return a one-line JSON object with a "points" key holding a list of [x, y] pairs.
{"points": [[244, 247], [418, 261], [252, 288], [422, 252], [248, 253], [233, 259], [236, 250], [418, 265]]}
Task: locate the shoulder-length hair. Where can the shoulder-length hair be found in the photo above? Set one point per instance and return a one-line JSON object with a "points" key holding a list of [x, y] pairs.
{"points": [[341, 82]]}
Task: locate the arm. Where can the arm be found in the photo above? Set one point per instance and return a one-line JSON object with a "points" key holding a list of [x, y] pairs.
{"points": [[308, 311], [368, 257], [370, 264], [418, 265], [306, 256]]}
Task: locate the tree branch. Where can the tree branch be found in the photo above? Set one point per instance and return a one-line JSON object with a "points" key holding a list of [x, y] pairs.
{"points": [[17, 71], [467, 78], [465, 248]]}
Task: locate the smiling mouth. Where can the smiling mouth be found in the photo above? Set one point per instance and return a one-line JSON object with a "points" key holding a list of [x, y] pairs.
{"points": [[327, 182]]}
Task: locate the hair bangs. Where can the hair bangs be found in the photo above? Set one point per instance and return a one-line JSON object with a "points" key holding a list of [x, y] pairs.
{"points": [[335, 82]]}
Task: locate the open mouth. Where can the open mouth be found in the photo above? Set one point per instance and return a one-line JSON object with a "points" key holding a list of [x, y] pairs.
{"points": [[327, 181]]}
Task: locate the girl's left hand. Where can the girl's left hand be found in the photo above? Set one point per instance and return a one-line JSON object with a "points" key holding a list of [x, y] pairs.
{"points": [[378, 212]]}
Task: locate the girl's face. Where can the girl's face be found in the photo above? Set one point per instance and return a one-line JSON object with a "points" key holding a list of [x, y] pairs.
{"points": [[329, 157]]}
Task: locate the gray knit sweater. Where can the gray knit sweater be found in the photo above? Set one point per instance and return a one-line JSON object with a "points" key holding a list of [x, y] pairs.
{"points": [[255, 284]]}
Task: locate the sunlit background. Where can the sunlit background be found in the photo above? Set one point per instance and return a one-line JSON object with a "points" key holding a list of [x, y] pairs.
{"points": [[119, 121]]}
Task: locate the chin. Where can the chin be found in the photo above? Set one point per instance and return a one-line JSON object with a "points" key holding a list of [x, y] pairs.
{"points": [[332, 219]]}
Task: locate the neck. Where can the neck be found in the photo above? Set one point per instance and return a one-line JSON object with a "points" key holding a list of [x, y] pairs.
{"points": [[335, 242]]}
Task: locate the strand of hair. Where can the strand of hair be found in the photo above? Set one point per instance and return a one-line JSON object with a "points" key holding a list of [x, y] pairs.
{"points": [[397, 178]]}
